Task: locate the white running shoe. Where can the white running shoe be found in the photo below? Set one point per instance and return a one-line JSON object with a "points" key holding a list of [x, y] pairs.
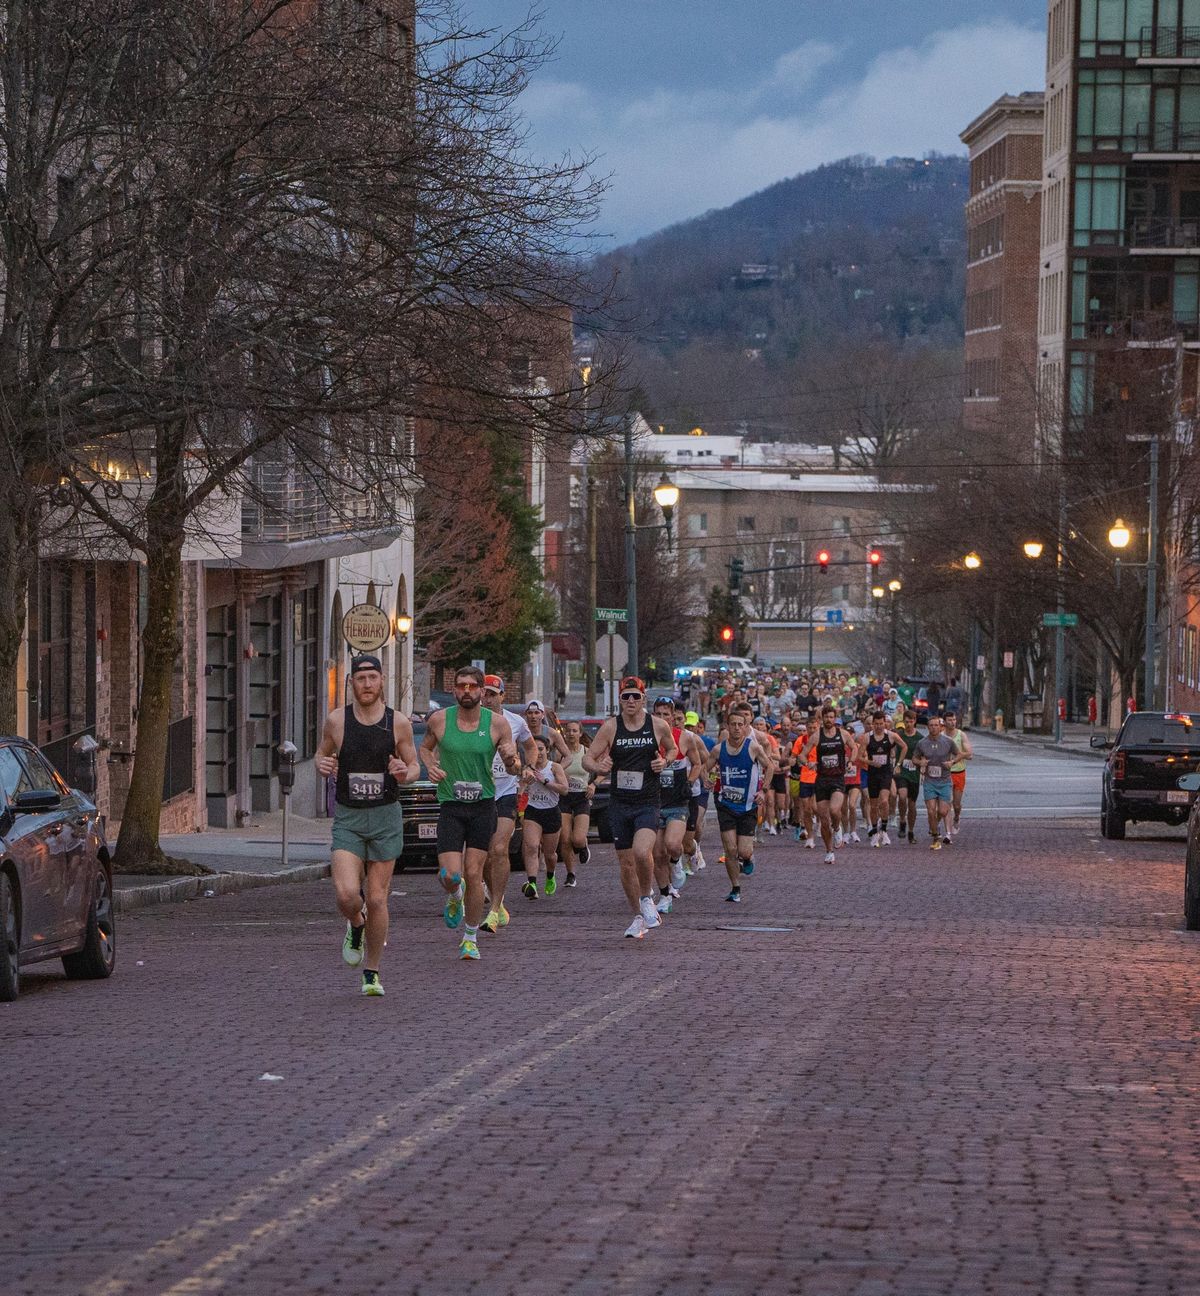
{"points": [[678, 875], [811, 843], [884, 840], [854, 837], [829, 859], [649, 913], [875, 841], [700, 862], [637, 928], [672, 893], [838, 839], [664, 905], [772, 830]]}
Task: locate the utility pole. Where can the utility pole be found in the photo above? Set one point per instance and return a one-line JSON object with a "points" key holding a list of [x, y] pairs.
{"points": [[1152, 576], [589, 527], [630, 553]]}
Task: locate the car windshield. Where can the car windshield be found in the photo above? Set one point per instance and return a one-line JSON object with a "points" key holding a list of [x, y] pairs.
{"points": [[1176, 729]]}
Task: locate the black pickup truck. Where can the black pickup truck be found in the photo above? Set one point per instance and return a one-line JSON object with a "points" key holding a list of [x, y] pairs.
{"points": [[1141, 774]]}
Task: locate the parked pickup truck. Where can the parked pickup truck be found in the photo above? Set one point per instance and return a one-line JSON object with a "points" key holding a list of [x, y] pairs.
{"points": [[1141, 774]]}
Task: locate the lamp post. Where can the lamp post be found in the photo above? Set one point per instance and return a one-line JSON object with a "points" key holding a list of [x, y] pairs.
{"points": [[894, 587], [1119, 537], [666, 495], [403, 627]]}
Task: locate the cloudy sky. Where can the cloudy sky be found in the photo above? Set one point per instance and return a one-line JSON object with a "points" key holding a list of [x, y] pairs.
{"points": [[692, 104]]}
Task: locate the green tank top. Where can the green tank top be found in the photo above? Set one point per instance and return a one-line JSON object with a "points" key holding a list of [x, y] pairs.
{"points": [[908, 766], [959, 765], [466, 756]]}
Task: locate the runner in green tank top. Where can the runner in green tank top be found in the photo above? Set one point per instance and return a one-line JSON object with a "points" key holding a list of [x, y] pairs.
{"points": [[459, 746]]}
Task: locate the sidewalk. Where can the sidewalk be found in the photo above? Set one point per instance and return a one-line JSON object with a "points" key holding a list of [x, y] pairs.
{"points": [[1075, 738], [241, 858]]}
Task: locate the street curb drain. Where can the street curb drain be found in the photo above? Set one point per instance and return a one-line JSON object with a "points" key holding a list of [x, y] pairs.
{"points": [[191, 888]]}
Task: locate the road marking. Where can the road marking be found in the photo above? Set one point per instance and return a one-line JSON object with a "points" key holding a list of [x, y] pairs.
{"points": [[208, 1278]]}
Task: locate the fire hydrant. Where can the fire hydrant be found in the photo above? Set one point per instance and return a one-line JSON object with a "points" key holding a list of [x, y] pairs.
{"points": [[1062, 708]]}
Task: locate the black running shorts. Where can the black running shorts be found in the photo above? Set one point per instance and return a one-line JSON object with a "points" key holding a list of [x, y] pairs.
{"points": [[465, 825]]}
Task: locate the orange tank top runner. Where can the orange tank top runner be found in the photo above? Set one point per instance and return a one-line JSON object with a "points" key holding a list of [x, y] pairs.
{"points": [[808, 771]]}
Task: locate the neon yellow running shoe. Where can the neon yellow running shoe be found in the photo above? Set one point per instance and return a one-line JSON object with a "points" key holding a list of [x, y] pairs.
{"points": [[468, 949], [551, 884], [452, 914]]}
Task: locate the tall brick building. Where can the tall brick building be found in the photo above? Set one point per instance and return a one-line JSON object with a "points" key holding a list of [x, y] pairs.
{"points": [[1003, 216]]}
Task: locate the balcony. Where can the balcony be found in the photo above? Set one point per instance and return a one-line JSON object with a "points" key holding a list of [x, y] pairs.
{"points": [[1172, 139], [1169, 46], [290, 517], [1146, 327], [1155, 234]]}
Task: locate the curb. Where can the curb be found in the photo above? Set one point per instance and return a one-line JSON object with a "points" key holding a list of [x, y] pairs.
{"points": [[193, 888], [1047, 744]]}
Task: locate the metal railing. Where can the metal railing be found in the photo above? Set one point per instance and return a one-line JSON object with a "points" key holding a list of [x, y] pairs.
{"points": [[1170, 42], [286, 502], [1162, 232], [1167, 137], [1143, 326]]}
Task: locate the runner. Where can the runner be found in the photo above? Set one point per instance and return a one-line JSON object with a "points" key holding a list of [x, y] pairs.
{"points": [[831, 746], [466, 739], [908, 776], [499, 862], [877, 754], [576, 806], [741, 762], [697, 803], [853, 789], [545, 784], [775, 791], [804, 756], [958, 770], [539, 722], [369, 747], [635, 748], [935, 752], [674, 795]]}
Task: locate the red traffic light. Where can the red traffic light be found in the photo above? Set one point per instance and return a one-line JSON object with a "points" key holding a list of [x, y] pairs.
{"points": [[874, 557], [727, 634], [823, 558]]}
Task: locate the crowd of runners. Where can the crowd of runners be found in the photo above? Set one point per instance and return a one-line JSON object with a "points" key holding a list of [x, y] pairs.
{"points": [[819, 755]]}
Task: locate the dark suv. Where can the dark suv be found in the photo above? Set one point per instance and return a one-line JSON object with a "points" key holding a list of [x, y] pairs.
{"points": [[1140, 784]]}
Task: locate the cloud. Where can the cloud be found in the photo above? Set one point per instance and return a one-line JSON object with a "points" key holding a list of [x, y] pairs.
{"points": [[673, 155]]}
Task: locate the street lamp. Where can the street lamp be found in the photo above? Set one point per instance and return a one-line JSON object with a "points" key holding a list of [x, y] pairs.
{"points": [[895, 586], [878, 591], [404, 624], [972, 561], [1033, 548], [1119, 535], [666, 495]]}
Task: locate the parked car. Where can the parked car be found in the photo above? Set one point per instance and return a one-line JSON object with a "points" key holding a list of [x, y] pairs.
{"points": [[716, 662], [1141, 775], [1190, 783], [56, 887]]}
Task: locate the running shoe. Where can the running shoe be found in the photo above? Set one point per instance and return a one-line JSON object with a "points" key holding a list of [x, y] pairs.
{"points": [[352, 944], [936, 844], [689, 869], [946, 840], [529, 890], [570, 880], [584, 854], [699, 857], [772, 830], [912, 838], [502, 915], [746, 867], [721, 858], [884, 839], [467, 949], [636, 929], [678, 873], [798, 834], [838, 839], [673, 893], [452, 913], [854, 837], [371, 985], [665, 905], [829, 858], [650, 914], [811, 844], [734, 897], [490, 923], [551, 884]]}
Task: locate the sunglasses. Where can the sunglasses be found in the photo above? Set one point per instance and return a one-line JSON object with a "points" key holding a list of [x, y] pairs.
{"points": [[468, 686], [631, 697]]}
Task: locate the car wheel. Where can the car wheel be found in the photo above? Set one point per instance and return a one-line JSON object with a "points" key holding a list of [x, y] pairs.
{"points": [[10, 942], [99, 954], [603, 831], [1112, 824], [1191, 884]]}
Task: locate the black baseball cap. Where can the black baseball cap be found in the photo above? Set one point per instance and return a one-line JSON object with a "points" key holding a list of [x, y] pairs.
{"points": [[366, 662]]}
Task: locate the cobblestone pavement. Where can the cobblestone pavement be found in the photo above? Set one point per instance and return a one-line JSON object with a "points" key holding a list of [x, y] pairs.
{"points": [[966, 1072]]}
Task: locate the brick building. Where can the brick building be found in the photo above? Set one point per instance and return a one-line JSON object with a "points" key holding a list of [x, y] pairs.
{"points": [[1003, 218]]}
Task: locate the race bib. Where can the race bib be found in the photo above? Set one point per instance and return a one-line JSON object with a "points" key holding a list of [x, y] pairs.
{"points": [[629, 780], [933, 771], [733, 795], [908, 765], [465, 791], [830, 762], [498, 769], [365, 787], [576, 784], [666, 778], [879, 760]]}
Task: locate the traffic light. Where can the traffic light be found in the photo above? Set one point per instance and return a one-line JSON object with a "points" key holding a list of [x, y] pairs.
{"points": [[823, 559], [736, 567], [727, 634], [874, 557]]}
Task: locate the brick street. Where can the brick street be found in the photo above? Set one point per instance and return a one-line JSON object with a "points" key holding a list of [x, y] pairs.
{"points": [[971, 1071]]}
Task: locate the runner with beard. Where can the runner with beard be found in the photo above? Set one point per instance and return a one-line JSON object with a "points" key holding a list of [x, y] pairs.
{"points": [[833, 747], [674, 796], [634, 748], [369, 747], [877, 753], [908, 777], [465, 739]]}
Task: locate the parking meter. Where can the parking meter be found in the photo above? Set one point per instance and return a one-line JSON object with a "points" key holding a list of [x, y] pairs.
{"points": [[287, 767], [84, 765]]}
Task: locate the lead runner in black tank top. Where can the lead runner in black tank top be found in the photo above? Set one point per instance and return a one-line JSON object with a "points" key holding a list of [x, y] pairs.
{"points": [[362, 778], [633, 751]]}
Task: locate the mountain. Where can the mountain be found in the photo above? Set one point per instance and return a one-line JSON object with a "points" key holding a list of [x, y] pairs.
{"points": [[853, 253]]}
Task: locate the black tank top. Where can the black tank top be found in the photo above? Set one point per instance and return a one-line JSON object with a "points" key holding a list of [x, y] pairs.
{"points": [[879, 747], [831, 757], [633, 781], [674, 788], [362, 777]]}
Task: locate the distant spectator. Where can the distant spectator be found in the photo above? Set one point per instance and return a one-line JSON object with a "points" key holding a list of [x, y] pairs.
{"points": [[954, 697]]}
